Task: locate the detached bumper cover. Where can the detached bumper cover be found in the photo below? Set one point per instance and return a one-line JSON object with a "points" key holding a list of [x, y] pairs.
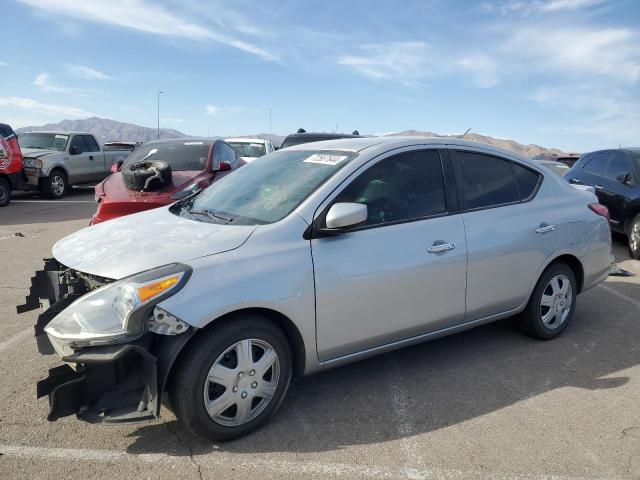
{"points": [[114, 384], [111, 383]]}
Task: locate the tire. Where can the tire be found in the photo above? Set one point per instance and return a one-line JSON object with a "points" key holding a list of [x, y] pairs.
{"points": [[190, 387], [5, 192], [538, 320], [147, 175], [634, 238], [55, 185]]}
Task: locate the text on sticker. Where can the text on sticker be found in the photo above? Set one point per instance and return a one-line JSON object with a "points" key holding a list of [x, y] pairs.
{"points": [[325, 159]]}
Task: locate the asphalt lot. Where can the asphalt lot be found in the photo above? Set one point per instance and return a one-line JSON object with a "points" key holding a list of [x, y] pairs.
{"points": [[487, 403]]}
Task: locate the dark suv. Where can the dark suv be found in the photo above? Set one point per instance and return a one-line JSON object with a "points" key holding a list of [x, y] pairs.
{"points": [[615, 175], [302, 136]]}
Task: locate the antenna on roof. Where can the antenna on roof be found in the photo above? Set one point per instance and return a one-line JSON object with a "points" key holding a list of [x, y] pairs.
{"points": [[355, 132], [301, 130], [463, 135]]}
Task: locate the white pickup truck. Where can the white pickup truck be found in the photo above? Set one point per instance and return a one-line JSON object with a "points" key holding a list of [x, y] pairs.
{"points": [[54, 161]]}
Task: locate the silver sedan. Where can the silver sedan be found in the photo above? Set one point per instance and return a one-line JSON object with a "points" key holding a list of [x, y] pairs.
{"points": [[313, 257]]}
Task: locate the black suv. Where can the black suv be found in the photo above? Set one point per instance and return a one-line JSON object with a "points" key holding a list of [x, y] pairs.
{"points": [[615, 175], [302, 136]]}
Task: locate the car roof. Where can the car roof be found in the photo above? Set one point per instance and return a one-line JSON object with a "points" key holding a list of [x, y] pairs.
{"points": [[246, 140], [59, 132], [164, 141], [552, 162], [359, 144]]}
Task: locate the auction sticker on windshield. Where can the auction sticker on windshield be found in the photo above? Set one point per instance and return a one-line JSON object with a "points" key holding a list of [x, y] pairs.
{"points": [[325, 159]]}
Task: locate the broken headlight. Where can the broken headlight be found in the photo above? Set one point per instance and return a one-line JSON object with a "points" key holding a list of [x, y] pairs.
{"points": [[118, 311]]}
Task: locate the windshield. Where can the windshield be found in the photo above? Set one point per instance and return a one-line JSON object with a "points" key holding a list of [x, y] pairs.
{"points": [[248, 149], [268, 190], [184, 155], [44, 141]]}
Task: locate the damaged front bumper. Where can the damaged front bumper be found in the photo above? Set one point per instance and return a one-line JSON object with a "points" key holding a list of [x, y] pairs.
{"points": [[102, 384]]}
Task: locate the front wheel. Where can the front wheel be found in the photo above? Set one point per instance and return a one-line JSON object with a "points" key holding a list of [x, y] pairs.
{"points": [[55, 185], [232, 379], [552, 303], [634, 238]]}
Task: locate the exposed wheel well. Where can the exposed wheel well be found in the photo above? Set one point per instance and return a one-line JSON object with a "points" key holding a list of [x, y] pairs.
{"points": [[283, 322], [575, 265]]}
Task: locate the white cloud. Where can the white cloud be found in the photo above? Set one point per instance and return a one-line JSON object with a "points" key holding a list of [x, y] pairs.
{"points": [[525, 8], [172, 120], [483, 70], [608, 52], [43, 82], [557, 5], [4, 64], [44, 108], [220, 111], [144, 16], [403, 61], [87, 73]]}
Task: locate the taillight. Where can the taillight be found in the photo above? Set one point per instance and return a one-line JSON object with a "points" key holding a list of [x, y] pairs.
{"points": [[600, 210]]}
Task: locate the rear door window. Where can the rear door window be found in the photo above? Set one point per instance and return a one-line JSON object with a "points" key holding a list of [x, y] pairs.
{"points": [[487, 181], [92, 145], [618, 165]]}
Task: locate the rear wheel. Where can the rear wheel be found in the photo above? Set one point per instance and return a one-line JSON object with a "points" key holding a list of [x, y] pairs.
{"points": [[5, 192], [552, 303], [634, 238], [55, 185], [232, 379]]}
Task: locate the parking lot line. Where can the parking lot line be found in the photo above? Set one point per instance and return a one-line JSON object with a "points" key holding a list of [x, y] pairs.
{"points": [[11, 341], [620, 295], [279, 467]]}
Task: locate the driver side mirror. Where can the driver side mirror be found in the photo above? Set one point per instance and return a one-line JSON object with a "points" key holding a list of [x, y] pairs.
{"points": [[344, 215], [115, 167], [74, 150], [223, 167], [624, 177]]}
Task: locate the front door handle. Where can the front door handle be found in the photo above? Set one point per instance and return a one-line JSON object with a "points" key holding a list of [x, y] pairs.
{"points": [[545, 228], [441, 247], [598, 187], [90, 157]]}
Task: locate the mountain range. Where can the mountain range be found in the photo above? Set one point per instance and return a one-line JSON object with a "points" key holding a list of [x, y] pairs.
{"points": [[110, 130]]}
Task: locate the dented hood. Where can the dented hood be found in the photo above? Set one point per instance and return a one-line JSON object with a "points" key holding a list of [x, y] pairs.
{"points": [[134, 243]]}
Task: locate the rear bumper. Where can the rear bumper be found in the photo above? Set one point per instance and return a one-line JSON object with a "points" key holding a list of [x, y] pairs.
{"points": [[108, 384]]}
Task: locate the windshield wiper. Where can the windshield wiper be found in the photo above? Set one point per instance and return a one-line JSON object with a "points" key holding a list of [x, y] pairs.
{"points": [[210, 214]]}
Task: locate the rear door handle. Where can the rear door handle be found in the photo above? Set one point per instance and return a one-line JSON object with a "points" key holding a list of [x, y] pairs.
{"points": [[441, 247], [545, 228], [90, 157]]}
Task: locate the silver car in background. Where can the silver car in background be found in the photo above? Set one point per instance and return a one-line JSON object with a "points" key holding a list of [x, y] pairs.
{"points": [[312, 257]]}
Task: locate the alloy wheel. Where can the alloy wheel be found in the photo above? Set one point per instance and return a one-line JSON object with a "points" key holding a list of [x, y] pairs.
{"points": [[57, 185], [555, 304], [241, 382]]}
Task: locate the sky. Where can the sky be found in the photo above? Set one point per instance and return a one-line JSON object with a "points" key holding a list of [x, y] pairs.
{"points": [[558, 73]]}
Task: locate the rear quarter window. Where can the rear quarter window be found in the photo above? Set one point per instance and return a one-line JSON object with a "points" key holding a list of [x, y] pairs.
{"points": [[527, 181]]}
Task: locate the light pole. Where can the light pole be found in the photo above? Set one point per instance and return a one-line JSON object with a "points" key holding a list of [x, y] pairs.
{"points": [[159, 92]]}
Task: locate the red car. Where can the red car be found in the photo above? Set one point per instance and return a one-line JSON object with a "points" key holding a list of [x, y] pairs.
{"points": [[161, 172], [10, 163]]}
